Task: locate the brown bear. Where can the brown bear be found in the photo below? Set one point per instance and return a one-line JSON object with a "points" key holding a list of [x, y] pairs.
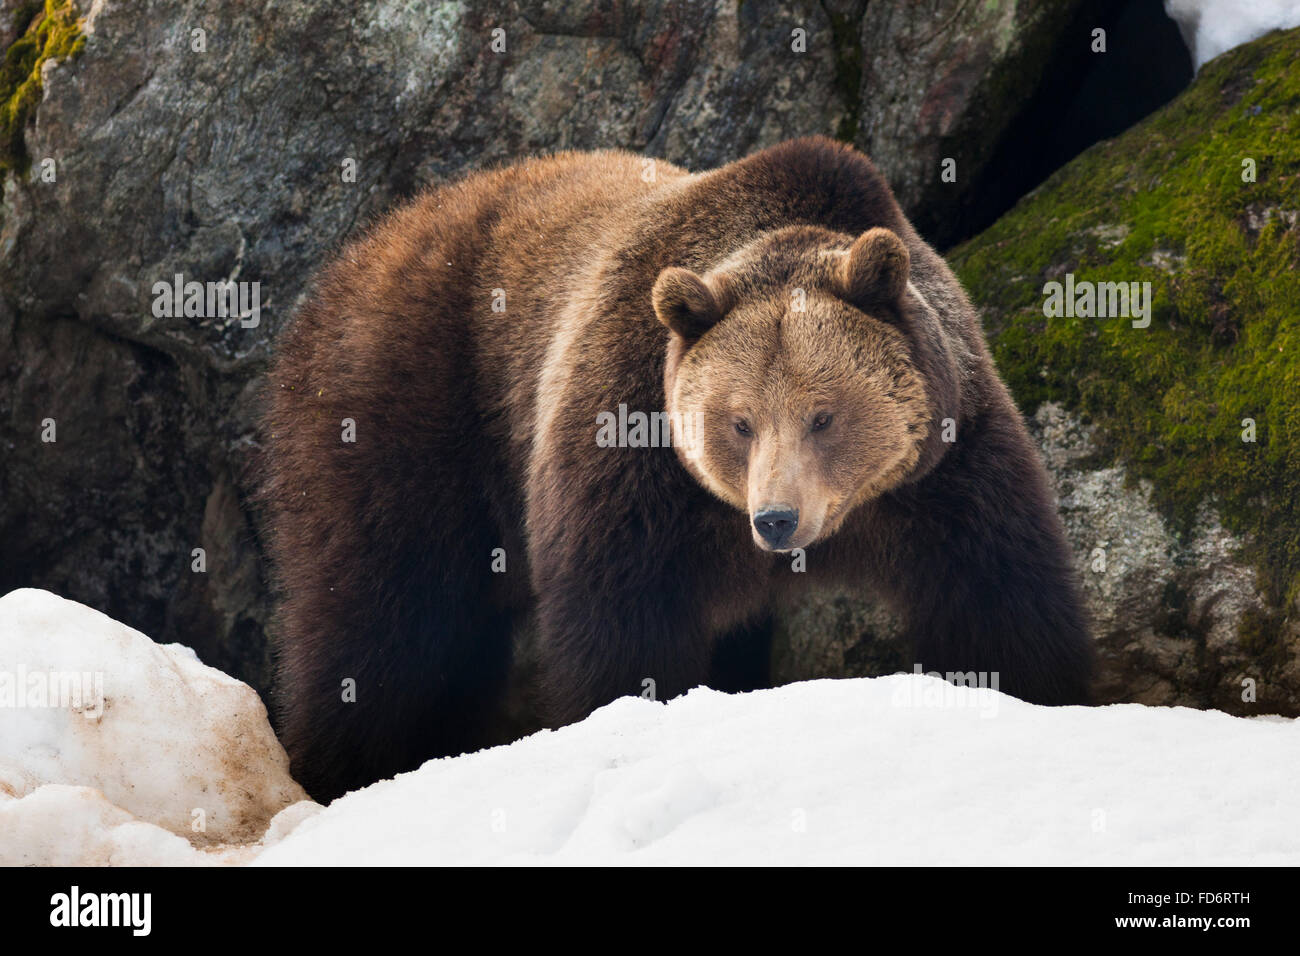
{"points": [[440, 462]]}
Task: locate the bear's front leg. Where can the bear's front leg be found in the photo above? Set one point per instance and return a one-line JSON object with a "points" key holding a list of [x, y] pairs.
{"points": [[613, 631], [618, 588], [976, 559]]}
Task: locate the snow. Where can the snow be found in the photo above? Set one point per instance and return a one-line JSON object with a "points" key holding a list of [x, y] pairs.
{"points": [[59, 825], [895, 770], [904, 769], [1211, 27], [150, 733]]}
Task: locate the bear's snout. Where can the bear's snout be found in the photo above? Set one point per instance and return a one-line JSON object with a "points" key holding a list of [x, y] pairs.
{"points": [[775, 525]]}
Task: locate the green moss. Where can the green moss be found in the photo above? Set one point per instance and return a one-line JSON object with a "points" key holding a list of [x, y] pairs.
{"points": [[1165, 203], [52, 32], [1261, 636]]}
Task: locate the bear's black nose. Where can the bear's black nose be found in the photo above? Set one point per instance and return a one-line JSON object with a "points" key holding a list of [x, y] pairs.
{"points": [[775, 525]]}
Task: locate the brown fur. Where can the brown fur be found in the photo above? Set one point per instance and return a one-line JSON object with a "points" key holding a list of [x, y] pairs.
{"points": [[476, 430]]}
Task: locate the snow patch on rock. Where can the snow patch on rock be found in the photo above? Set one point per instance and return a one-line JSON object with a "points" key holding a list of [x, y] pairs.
{"points": [[1211, 27]]}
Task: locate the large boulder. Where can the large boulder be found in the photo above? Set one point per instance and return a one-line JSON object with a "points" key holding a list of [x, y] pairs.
{"points": [[1174, 446]]}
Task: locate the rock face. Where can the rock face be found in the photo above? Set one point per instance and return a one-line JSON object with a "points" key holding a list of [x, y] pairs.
{"points": [[1166, 607], [961, 88], [100, 720], [244, 142], [1173, 444]]}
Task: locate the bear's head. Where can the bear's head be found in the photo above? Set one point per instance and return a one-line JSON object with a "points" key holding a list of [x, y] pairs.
{"points": [[792, 384]]}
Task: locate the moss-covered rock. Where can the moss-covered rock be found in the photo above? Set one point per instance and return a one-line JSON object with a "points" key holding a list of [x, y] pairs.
{"points": [[1171, 203], [44, 32]]}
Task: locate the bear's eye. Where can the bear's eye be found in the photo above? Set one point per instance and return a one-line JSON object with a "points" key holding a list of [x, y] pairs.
{"points": [[742, 427], [821, 421]]}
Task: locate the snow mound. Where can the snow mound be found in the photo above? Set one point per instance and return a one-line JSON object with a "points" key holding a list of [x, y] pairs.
{"points": [[142, 742], [1211, 27], [894, 770]]}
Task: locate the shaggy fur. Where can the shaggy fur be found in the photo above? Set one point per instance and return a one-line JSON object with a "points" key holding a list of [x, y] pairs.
{"points": [[476, 430]]}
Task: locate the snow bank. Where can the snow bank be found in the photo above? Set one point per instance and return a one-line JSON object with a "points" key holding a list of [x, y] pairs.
{"points": [[144, 744], [894, 770], [1211, 27]]}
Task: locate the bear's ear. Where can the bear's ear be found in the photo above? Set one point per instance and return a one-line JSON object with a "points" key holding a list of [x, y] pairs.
{"points": [[875, 269], [687, 303]]}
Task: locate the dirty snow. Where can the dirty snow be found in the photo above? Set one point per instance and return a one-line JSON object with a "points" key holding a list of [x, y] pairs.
{"points": [[895, 770], [149, 733]]}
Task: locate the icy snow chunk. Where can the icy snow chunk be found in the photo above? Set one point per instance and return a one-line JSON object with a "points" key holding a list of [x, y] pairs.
{"points": [[90, 703]]}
